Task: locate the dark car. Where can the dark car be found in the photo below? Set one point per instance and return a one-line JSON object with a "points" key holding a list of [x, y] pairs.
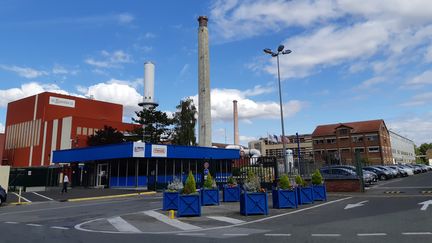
{"points": [[382, 175], [344, 172], [3, 195]]}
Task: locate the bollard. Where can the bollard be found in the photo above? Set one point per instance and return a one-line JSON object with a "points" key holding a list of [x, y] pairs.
{"points": [[19, 198], [171, 214]]}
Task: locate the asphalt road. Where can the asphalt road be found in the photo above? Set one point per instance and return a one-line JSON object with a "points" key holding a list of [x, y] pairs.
{"points": [[388, 212]]}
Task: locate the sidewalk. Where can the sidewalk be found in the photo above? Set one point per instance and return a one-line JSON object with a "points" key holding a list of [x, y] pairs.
{"points": [[75, 194]]}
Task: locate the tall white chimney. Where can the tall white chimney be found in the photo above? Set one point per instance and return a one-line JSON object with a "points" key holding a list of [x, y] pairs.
{"points": [[149, 74], [236, 128]]}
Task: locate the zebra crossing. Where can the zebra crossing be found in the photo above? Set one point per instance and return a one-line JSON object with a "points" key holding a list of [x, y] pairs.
{"points": [[155, 221]]}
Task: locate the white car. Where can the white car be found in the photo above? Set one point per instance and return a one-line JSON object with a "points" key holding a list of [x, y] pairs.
{"points": [[407, 169]]}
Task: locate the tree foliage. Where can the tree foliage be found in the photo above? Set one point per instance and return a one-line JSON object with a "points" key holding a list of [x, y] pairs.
{"points": [[317, 178], [184, 123], [156, 125], [421, 151], [284, 182], [108, 135], [190, 185]]}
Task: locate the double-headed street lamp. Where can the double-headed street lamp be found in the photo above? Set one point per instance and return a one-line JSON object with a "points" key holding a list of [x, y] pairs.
{"points": [[280, 50]]}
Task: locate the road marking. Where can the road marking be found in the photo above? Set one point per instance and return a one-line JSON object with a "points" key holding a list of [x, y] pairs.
{"points": [[226, 219], [385, 183], [35, 225], [372, 234], [80, 226], [276, 235], [122, 225], [192, 234], [59, 227], [325, 235], [40, 195], [425, 204], [235, 234], [416, 233], [25, 199], [173, 222], [10, 222], [354, 205]]}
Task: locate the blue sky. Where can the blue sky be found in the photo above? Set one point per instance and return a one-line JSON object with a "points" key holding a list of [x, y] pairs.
{"points": [[351, 60]]}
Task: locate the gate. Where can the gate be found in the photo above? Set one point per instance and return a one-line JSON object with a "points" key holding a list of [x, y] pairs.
{"points": [[266, 168]]}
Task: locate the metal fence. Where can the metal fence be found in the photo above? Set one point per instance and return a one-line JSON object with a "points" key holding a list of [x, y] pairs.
{"points": [[33, 176]]}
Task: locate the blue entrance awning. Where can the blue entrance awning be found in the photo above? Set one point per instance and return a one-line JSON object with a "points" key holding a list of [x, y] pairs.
{"points": [[141, 150]]}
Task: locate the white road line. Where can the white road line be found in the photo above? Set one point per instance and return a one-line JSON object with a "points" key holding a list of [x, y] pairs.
{"points": [[325, 235], [59, 227], [192, 234], [10, 222], [40, 195], [372, 234], [226, 219], [25, 199], [277, 235], [235, 234], [173, 222], [122, 225], [416, 233], [35, 225]]}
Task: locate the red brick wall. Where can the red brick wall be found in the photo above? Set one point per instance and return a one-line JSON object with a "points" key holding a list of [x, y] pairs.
{"points": [[342, 185]]}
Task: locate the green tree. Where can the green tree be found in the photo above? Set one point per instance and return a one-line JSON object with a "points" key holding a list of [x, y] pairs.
{"points": [[156, 125], [184, 123], [421, 151], [108, 135], [190, 185]]}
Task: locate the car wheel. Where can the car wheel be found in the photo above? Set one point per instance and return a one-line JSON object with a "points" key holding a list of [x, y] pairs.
{"points": [[383, 177]]}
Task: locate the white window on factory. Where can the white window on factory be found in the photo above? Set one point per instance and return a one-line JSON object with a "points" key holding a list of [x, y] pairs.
{"points": [[90, 131], [84, 131], [78, 131]]}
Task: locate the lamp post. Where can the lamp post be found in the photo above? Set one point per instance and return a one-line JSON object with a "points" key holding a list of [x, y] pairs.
{"points": [[280, 50]]}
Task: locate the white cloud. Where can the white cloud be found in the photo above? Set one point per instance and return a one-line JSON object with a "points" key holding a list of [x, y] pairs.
{"points": [[125, 18], [61, 70], [25, 72], [2, 128], [221, 100], [184, 69], [428, 54], [370, 83], [110, 59], [246, 139], [28, 89], [419, 129], [419, 99], [420, 80]]}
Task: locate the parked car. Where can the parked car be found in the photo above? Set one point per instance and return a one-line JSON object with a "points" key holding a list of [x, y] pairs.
{"points": [[401, 172], [391, 171], [368, 176], [415, 168], [382, 174], [3, 195], [422, 168], [342, 172], [407, 169]]}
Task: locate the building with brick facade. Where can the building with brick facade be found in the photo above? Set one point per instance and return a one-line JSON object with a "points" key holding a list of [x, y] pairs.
{"points": [[338, 143], [40, 124]]}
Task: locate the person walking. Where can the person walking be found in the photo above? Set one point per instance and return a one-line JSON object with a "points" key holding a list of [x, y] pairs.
{"points": [[65, 184]]}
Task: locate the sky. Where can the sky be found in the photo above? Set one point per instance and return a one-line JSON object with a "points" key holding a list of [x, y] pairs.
{"points": [[350, 60]]}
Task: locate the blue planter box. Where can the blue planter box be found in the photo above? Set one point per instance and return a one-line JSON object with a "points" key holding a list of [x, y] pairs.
{"points": [[284, 198], [319, 192], [209, 197], [170, 200], [231, 194], [305, 195], [189, 205], [254, 203]]}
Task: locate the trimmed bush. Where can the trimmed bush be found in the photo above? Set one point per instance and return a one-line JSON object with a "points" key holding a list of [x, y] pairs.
{"points": [[209, 183], [190, 185], [317, 178], [284, 183], [299, 181], [252, 183], [231, 181]]}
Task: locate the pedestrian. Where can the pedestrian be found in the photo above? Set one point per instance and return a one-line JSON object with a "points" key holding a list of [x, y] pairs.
{"points": [[65, 184]]}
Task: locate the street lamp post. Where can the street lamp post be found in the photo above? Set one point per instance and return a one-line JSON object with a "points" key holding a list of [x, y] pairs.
{"points": [[280, 50]]}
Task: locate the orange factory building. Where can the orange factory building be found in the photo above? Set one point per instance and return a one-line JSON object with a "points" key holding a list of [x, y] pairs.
{"points": [[40, 124]]}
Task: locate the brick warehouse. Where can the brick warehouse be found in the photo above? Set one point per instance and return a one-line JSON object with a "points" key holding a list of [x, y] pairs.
{"points": [[40, 124], [337, 143]]}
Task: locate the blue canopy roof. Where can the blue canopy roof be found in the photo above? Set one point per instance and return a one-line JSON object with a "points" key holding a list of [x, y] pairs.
{"points": [[140, 150]]}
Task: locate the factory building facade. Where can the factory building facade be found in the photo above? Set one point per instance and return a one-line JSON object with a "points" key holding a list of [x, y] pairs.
{"points": [[40, 124], [402, 149]]}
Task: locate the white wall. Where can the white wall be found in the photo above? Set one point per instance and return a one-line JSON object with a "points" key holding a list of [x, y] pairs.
{"points": [[402, 148], [4, 176]]}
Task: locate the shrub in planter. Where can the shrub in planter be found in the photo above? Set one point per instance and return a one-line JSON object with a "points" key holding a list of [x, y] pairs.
{"points": [[304, 192], [284, 196], [318, 187], [231, 191], [210, 192], [254, 199], [171, 195], [189, 203]]}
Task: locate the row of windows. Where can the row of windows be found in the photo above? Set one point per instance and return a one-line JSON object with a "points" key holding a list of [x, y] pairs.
{"points": [[396, 151], [354, 139], [86, 131], [23, 134], [373, 149]]}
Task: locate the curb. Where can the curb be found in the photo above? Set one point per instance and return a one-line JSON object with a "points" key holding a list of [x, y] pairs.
{"points": [[107, 197], [18, 204]]}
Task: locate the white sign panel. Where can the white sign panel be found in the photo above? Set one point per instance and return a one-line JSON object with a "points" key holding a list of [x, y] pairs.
{"points": [[159, 151], [138, 149], [61, 102]]}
